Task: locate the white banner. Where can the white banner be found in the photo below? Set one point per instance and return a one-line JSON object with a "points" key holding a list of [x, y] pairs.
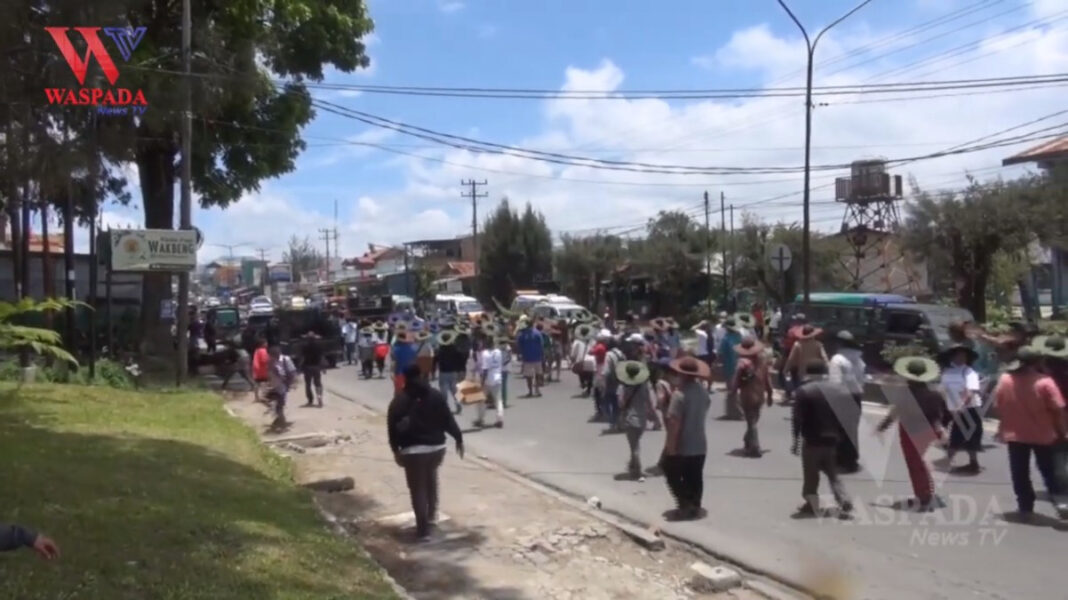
{"points": [[154, 250]]}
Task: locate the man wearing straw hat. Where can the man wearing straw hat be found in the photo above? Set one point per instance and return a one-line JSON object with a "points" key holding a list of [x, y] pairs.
{"points": [[847, 367], [532, 354], [1032, 421], [919, 413], [636, 408], [581, 357], [753, 384], [817, 404], [403, 355], [1055, 349], [685, 445], [365, 348], [490, 368], [381, 347], [452, 364], [728, 357]]}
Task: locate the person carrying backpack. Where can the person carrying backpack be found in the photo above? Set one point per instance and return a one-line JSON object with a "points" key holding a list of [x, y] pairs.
{"points": [[753, 384]]}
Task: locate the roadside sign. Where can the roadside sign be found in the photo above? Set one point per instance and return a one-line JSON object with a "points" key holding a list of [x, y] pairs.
{"points": [[153, 250], [780, 257]]}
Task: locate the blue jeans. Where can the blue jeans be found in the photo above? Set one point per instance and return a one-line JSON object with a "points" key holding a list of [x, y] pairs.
{"points": [[610, 406], [447, 385]]}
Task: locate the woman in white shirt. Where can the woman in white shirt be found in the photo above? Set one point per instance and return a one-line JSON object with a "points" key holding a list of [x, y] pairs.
{"points": [[960, 384], [491, 367]]}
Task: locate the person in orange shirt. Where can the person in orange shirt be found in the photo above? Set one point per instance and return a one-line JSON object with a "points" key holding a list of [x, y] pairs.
{"points": [[1032, 421], [261, 361]]}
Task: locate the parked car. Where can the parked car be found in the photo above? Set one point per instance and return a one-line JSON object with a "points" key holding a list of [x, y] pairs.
{"points": [[553, 310], [260, 305]]}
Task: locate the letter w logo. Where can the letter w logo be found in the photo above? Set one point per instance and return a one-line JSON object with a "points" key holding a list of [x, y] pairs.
{"points": [[95, 47]]}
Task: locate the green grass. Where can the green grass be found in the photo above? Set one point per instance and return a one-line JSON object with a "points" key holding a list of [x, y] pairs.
{"points": [[160, 496]]}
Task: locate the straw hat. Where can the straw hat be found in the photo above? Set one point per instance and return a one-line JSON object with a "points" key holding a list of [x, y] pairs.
{"points": [[367, 331], [380, 326], [749, 347], [632, 372], [400, 327], [402, 337], [422, 336], [1028, 355], [659, 324], [917, 368], [1053, 346], [491, 329], [671, 323], [945, 355], [730, 324], [584, 332], [447, 338], [691, 367], [845, 338]]}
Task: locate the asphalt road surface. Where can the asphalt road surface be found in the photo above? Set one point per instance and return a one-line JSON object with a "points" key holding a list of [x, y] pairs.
{"points": [[966, 550]]}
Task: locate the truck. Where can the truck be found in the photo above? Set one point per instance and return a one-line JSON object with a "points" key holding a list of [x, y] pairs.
{"points": [[369, 307], [287, 328]]}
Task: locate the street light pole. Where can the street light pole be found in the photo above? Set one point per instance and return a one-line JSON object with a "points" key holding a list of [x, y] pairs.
{"points": [[806, 260]]}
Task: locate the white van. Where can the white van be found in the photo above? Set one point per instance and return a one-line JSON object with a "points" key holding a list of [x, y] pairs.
{"points": [[525, 301], [457, 304], [557, 310]]}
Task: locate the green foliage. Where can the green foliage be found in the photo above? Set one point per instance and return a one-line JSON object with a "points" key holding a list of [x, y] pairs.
{"points": [[515, 251], [45, 342], [303, 256], [963, 233], [108, 374], [583, 263], [893, 351], [673, 253]]}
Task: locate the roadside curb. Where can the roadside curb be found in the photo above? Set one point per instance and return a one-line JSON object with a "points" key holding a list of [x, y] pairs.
{"points": [[332, 522], [650, 537]]}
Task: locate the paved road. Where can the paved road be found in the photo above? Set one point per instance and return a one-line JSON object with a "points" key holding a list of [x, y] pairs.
{"points": [[963, 551]]}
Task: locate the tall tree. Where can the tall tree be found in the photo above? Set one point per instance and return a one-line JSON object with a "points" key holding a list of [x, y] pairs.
{"points": [[972, 226], [246, 124], [514, 251], [583, 263], [672, 253], [302, 256]]}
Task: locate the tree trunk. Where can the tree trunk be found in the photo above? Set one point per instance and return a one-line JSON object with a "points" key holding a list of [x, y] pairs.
{"points": [[48, 278], [155, 162]]}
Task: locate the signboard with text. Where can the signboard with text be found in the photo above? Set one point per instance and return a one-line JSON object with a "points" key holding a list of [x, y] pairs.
{"points": [[154, 250]]}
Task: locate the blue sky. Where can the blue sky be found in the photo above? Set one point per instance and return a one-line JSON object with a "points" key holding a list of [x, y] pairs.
{"points": [[384, 197]]}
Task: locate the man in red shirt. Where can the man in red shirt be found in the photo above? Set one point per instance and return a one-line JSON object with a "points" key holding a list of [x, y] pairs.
{"points": [[600, 350], [1032, 421], [790, 381], [260, 367]]}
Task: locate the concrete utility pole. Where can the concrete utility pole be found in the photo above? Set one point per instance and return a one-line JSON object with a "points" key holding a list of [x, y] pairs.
{"points": [[723, 250], [186, 202], [474, 195], [327, 235], [806, 258], [708, 259]]}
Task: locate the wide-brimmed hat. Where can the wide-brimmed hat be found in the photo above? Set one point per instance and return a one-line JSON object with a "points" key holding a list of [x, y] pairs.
{"points": [[402, 337], [671, 323], [745, 319], [400, 326], [749, 347], [658, 323], [636, 338], [632, 372], [367, 331], [584, 331], [809, 332], [447, 338], [1028, 355], [422, 336], [730, 324], [917, 368], [490, 329], [945, 355], [380, 326], [846, 338], [691, 367], [1054, 346]]}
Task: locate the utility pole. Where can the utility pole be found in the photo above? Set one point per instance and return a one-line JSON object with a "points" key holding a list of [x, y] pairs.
{"points": [[263, 254], [337, 251], [327, 236], [474, 195], [708, 259], [806, 256], [186, 206], [732, 247], [723, 250]]}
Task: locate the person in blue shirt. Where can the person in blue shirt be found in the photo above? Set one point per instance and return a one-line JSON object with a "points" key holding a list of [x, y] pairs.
{"points": [[728, 357], [531, 354], [404, 354]]}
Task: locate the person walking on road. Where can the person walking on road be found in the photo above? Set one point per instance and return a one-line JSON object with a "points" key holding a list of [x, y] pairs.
{"points": [[351, 334], [920, 413], [815, 423], [365, 347], [504, 346], [960, 382], [381, 347], [1032, 421], [532, 355], [753, 383], [636, 408], [581, 357], [705, 351], [685, 446], [490, 368], [728, 358], [261, 363], [311, 363], [424, 353], [610, 397], [847, 368], [416, 422], [281, 375], [403, 355], [452, 364], [790, 379]]}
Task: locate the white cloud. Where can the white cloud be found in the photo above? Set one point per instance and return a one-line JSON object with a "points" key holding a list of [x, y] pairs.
{"points": [[450, 6], [752, 132]]}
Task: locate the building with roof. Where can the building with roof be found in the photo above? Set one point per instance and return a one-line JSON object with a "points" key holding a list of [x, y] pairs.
{"points": [[1049, 273]]}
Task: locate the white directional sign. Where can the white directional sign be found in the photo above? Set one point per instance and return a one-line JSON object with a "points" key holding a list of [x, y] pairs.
{"points": [[779, 256]]}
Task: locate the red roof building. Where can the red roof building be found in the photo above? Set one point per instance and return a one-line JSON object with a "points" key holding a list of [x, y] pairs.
{"points": [[1045, 154]]}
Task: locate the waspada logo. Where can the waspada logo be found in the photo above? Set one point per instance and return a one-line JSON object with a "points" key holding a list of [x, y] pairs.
{"points": [[107, 100]]}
